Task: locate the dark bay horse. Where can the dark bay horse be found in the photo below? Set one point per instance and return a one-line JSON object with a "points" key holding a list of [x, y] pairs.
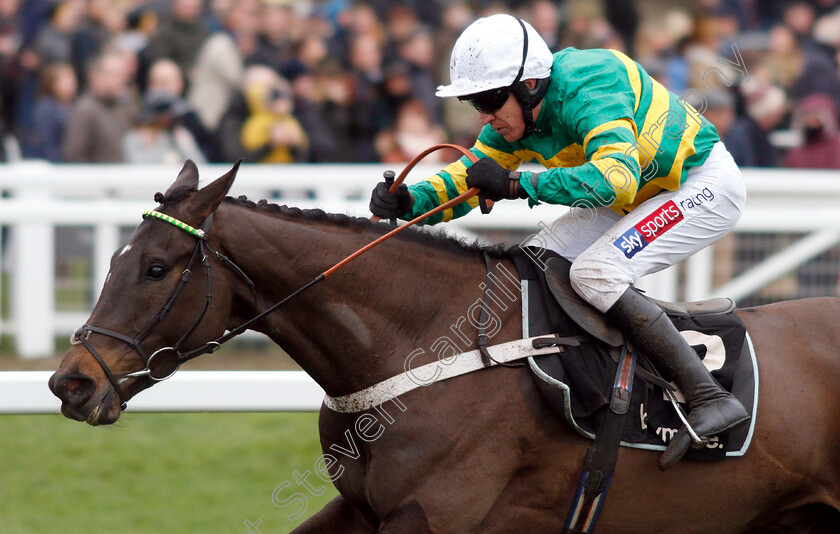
{"points": [[477, 453]]}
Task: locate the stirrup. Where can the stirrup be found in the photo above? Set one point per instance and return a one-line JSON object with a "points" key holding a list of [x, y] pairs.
{"points": [[691, 432]]}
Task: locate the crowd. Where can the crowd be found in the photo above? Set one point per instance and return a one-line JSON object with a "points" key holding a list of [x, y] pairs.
{"points": [[353, 81]]}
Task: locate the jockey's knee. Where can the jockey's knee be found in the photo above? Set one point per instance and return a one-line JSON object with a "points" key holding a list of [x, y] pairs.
{"points": [[598, 282]]}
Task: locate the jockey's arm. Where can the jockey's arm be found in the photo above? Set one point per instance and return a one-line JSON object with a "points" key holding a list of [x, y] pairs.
{"points": [[609, 178], [450, 182]]}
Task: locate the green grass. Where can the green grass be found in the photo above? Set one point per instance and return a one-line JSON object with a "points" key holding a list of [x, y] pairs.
{"points": [[172, 473]]}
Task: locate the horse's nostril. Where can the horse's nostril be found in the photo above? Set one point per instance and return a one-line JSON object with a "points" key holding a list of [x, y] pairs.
{"points": [[73, 384], [76, 389]]}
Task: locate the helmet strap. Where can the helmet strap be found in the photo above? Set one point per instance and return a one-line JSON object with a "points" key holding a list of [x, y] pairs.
{"points": [[527, 98]]}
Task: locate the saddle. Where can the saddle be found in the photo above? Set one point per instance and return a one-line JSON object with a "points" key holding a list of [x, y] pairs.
{"points": [[594, 322], [577, 382]]}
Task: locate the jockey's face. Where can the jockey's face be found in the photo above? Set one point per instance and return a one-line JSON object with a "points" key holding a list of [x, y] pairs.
{"points": [[507, 120]]}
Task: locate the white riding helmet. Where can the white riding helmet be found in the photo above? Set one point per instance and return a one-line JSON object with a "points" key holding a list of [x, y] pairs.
{"points": [[488, 55]]}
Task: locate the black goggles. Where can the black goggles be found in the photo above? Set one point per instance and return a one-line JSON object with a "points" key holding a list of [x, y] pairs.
{"points": [[488, 101]]}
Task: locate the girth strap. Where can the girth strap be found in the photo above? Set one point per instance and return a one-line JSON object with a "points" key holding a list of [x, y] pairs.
{"points": [[602, 455], [484, 319]]}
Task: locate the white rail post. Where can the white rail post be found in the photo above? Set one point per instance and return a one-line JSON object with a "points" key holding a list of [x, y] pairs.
{"points": [[698, 275], [33, 284], [105, 242], [661, 285]]}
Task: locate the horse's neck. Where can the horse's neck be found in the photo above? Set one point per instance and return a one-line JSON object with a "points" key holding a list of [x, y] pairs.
{"points": [[359, 325]]}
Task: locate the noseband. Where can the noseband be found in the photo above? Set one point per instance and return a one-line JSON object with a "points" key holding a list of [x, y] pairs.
{"points": [[164, 362]]}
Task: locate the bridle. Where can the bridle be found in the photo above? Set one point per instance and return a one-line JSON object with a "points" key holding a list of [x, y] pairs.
{"points": [[164, 362]]}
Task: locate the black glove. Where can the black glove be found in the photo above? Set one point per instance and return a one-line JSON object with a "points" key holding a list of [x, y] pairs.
{"points": [[495, 182], [386, 204]]}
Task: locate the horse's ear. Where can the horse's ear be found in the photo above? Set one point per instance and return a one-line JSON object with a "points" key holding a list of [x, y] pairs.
{"points": [[188, 178], [210, 196]]}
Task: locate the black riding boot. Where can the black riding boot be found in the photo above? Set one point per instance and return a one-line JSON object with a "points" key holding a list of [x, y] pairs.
{"points": [[713, 410]]}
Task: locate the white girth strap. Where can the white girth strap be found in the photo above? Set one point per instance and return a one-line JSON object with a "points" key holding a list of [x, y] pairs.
{"points": [[463, 363]]}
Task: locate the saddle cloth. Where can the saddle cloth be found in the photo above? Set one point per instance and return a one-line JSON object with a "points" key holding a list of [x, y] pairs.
{"points": [[577, 382]]}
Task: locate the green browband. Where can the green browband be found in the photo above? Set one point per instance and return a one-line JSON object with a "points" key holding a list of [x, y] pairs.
{"points": [[197, 232]]}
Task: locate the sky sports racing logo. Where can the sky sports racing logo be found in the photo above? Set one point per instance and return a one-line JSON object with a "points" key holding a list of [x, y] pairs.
{"points": [[649, 229]]}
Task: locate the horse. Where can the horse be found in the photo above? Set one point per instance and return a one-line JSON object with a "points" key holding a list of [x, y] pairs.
{"points": [[478, 453]]}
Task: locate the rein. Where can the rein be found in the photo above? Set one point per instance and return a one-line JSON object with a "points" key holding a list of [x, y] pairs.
{"points": [[165, 362]]}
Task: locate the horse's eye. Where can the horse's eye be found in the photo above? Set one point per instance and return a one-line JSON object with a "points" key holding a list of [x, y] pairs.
{"points": [[156, 272]]}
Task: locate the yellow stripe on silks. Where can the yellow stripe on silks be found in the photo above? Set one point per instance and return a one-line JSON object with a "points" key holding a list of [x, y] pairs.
{"points": [[648, 191], [571, 156], [440, 187], [458, 172], [613, 148], [651, 135], [686, 148], [633, 74], [505, 159], [618, 123], [620, 178]]}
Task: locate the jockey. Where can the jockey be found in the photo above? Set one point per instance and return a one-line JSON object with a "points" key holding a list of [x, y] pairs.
{"points": [[647, 177]]}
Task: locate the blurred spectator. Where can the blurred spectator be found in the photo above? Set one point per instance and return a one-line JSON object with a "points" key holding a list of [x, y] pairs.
{"points": [[413, 132], [11, 39], [720, 111], [101, 117], [363, 21], [366, 114], [309, 110], [662, 49], [52, 109], [624, 18], [461, 122], [3, 156], [271, 134], [165, 77], [243, 22], [800, 70], [159, 137], [279, 29], [229, 130], [311, 52], [800, 17], [456, 17], [545, 18], [214, 78], [748, 136], [335, 91], [396, 89], [418, 50], [401, 23], [56, 42], [105, 20], [180, 36], [140, 25], [815, 118]]}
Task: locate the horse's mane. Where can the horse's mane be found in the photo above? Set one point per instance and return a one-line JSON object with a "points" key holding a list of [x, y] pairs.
{"points": [[439, 241]]}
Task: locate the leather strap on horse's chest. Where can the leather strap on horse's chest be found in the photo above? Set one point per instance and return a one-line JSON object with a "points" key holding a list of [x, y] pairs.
{"points": [[463, 363], [600, 460]]}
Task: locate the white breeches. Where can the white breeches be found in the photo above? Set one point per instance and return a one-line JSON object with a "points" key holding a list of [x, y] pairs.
{"points": [[609, 252]]}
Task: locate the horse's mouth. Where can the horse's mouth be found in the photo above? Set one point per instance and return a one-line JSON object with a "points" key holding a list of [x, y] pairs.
{"points": [[107, 411]]}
